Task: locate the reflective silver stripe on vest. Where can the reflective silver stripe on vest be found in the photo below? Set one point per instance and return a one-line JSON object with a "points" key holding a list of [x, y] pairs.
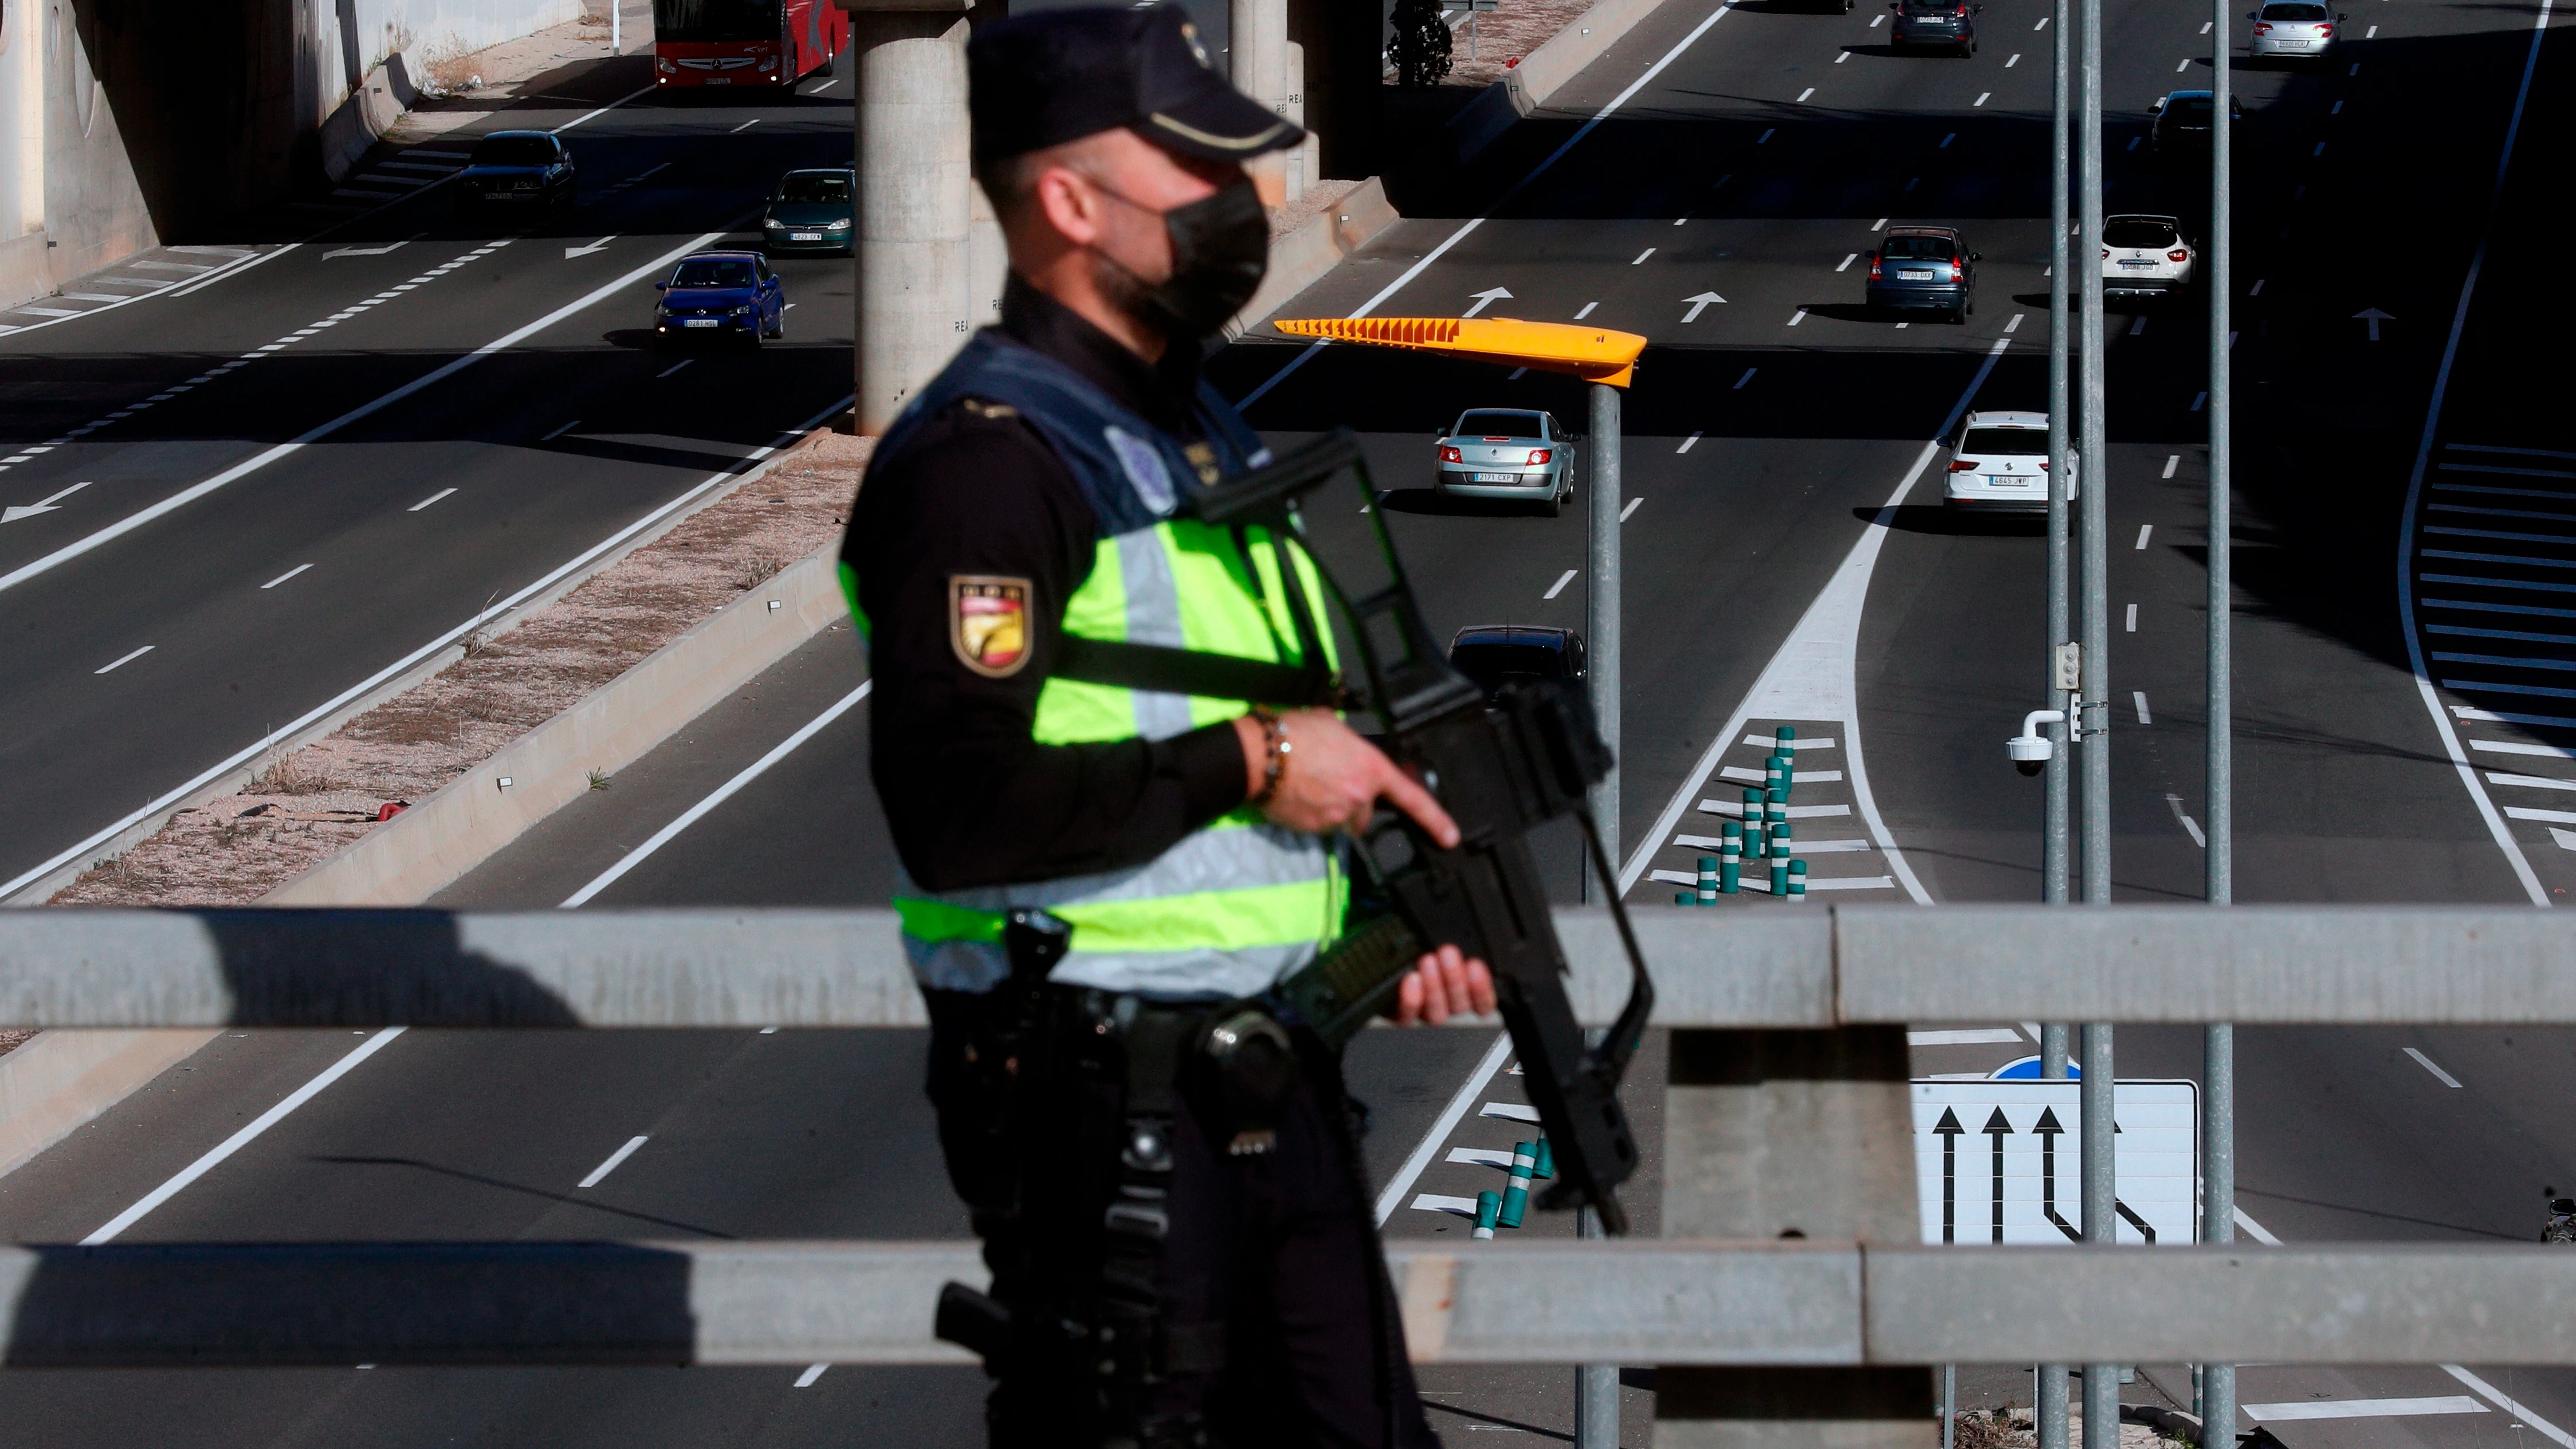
{"points": [[1217, 859], [1153, 617], [1224, 858]]}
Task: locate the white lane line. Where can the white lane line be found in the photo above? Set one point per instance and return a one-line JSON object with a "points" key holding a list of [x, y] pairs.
{"points": [[1796, 812], [1802, 96], [2015, 324], [2140, 696], [1982, 98], [1796, 777], [1586, 312], [1436, 253], [1878, 225], [2501, 833], [128, 659], [499, 608], [2550, 721], [1509, 1111], [2133, 619], [1433, 1202], [2014, 61], [282, 578], [2199, 400], [1811, 675], [2181, 65], [1558, 587], [814, 1371], [2495, 1396], [239, 1140], [2496, 448], [2364, 1408], [2421, 1060], [433, 498], [1631, 508], [674, 367], [1794, 320], [1847, 261], [1766, 135], [1747, 377], [1974, 1036], [186, 496], [2529, 782], [724, 792], [2190, 826], [2138, 326], [590, 116], [2518, 747], [1397, 1186], [2143, 530], [1641, 257], [1481, 1156], [1769, 742], [1846, 55], [745, 126], [614, 1158], [2042, 25], [1686, 443], [2172, 462], [559, 432]]}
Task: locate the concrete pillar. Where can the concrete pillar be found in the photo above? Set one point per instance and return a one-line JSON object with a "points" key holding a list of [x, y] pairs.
{"points": [[988, 263], [914, 250], [1257, 56], [1791, 1134], [22, 120], [1301, 162]]}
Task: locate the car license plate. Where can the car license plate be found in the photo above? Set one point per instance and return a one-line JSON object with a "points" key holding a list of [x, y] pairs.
{"points": [[804, 236], [2137, 264], [719, 80], [1914, 274], [697, 321], [1498, 478]]}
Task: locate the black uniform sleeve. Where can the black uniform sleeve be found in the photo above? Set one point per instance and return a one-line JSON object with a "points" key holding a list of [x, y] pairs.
{"points": [[971, 797]]}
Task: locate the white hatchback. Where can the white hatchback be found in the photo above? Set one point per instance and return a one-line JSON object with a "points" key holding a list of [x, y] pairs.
{"points": [[1999, 464], [2144, 256], [2287, 28]]}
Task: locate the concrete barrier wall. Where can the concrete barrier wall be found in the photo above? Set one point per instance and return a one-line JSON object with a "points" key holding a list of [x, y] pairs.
{"points": [[1301, 258], [1544, 72], [53, 1084], [424, 848]]}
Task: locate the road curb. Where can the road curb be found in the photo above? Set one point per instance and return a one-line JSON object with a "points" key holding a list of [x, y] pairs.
{"points": [[1302, 257], [60, 1080], [1542, 73], [404, 861]]}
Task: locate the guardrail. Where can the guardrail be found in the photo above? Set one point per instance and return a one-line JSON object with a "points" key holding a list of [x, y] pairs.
{"points": [[1790, 1289], [1806, 966]]}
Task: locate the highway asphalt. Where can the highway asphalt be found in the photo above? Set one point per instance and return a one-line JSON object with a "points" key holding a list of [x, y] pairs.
{"points": [[1766, 461]]}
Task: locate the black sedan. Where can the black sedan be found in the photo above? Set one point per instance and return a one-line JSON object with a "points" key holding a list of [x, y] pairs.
{"points": [[1931, 24], [523, 170], [1494, 655]]}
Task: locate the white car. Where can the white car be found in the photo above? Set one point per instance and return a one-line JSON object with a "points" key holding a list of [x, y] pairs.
{"points": [[2292, 28], [1999, 464], [2145, 256]]}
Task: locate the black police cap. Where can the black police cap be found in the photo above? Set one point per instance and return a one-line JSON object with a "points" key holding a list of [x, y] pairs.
{"points": [[1054, 76]]}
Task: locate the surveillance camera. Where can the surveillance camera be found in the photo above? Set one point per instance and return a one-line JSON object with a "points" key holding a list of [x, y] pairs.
{"points": [[2030, 753]]}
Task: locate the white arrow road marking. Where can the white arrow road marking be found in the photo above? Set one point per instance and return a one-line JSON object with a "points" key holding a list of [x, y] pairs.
{"points": [[2374, 317], [48, 505], [571, 252], [1700, 303], [1487, 298], [371, 251]]}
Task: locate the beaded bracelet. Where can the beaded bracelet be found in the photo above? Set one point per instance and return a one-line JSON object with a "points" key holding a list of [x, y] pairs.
{"points": [[1275, 750]]}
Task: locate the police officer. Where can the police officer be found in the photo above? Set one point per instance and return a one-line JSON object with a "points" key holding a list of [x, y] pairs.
{"points": [[1168, 1188]]}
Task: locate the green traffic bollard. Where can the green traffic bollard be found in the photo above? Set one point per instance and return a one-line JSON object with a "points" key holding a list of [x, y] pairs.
{"points": [[1685, 898], [1797, 878], [1776, 773], [1780, 876], [1782, 843], [1781, 737], [1730, 862], [1752, 824], [1545, 1167], [1708, 880], [1516, 1194], [1775, 811], [1489, 1207]]}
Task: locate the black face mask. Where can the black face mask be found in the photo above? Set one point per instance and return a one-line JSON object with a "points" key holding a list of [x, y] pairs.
{"points": [[1220, 251]]}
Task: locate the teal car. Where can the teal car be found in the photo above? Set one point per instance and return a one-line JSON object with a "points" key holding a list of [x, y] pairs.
{"points": [[810, 212]]}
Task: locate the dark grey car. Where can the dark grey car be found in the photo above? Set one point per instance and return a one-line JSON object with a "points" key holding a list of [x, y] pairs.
{"points": [[811, 212], [1927, 268], [1494, 655], [1935, 24]]}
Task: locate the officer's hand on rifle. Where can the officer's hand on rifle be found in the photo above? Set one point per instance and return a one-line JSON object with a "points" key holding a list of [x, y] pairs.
{"points": [[1330, 778]]}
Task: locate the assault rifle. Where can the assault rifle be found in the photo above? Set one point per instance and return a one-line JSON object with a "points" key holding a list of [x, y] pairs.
{"points": [[1501, 772]]}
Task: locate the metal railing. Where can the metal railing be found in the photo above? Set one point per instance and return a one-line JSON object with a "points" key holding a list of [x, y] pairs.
{"points": [[1841, 977]]}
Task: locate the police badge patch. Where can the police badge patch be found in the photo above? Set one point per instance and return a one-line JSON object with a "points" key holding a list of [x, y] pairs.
{"points": [[988, 623]]}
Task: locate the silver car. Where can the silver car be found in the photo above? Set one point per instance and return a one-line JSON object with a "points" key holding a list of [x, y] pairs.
{"points": [[2288, 28], [1518, 455], [1999, 464]]}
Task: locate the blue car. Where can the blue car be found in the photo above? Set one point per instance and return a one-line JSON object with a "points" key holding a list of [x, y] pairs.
{"points": [[732, 295]]}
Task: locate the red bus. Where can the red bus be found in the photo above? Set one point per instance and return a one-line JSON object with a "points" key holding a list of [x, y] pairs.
{"points": [[745, 44]]}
